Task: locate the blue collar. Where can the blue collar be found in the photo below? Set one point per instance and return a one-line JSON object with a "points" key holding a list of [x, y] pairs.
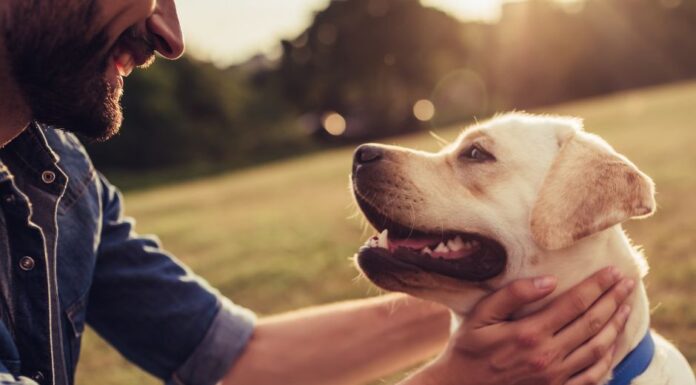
{"points": [[635, 363]]}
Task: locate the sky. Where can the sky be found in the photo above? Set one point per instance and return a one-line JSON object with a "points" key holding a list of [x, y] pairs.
{"points": [[231, 31]]}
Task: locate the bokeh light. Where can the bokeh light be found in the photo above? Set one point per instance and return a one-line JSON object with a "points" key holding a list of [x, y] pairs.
{"points": [[334, 123], [424, 110]]}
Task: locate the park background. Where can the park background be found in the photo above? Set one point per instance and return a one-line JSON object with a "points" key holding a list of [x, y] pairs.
{"points": [[237, 156]]}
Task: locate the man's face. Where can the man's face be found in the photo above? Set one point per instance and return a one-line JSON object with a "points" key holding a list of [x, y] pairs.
{"points": [[69, 57]]}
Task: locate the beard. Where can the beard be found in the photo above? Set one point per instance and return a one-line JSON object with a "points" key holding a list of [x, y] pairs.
{"points": [[60, 65]]}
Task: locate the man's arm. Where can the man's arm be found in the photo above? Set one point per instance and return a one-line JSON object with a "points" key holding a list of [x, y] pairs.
{"points": [[345, 343], [355, 342], [155, 311]]}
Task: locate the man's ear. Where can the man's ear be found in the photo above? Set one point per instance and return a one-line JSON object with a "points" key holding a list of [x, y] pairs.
{"points": [[589, 188]]}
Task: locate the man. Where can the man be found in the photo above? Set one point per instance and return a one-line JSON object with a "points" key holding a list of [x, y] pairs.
{"points": [[68, 255]]}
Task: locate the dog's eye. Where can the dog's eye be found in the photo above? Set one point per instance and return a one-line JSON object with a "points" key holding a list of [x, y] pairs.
{"points": [[477, 154]]}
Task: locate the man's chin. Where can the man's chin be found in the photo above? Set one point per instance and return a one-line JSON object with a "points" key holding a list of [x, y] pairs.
{"points": [[100, 128], [97, 124], [108, 118], [97, 118], [105, 132]]}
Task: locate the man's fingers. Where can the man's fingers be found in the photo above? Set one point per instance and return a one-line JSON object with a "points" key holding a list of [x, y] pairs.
{"points": [[500, 305], [596, 318], [597, 348], [574, 302], [596, 373]]}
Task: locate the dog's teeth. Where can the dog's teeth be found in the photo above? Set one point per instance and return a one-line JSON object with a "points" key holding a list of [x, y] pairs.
{"points": [[427, 250], [372, 242], [441, 248], [383, 239], [471, 245], [455, 244]]}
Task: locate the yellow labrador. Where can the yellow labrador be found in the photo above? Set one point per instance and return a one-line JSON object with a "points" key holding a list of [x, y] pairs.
{"points": [[518, 196]]}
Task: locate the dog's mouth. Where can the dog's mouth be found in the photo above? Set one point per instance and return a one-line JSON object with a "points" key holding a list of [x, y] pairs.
{"points": [[459, 255]]}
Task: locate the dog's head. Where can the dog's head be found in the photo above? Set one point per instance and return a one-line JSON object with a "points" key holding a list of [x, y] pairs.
{"points": [[457, 224]]}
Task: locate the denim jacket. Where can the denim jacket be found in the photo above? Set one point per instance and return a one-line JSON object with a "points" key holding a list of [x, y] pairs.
{"points": [[68, 256]]}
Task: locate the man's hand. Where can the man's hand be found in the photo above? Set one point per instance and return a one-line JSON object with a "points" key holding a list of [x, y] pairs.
{"points": [[568, 342]]}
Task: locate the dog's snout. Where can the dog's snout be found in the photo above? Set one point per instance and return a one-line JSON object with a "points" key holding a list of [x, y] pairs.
{"points": [[367, 153]]}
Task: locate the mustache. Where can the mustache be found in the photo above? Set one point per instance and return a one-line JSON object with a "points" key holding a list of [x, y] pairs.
{"points": [[144, 39], [140, 45]]}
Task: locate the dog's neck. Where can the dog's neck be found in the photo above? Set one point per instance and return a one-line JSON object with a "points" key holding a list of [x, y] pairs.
{"points": [[573, 264], [609, 247]]}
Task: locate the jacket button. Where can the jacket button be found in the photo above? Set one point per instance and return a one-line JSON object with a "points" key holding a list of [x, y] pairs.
{"points": [[48, 177], [27, 263]]}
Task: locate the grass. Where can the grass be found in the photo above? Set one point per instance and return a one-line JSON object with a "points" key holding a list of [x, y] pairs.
{"points": [[280, 236]]}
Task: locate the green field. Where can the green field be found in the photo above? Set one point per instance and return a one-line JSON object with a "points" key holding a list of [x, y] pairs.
{"points": [[278, 237]]}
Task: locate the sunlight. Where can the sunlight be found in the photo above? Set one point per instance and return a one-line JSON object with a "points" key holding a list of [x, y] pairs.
{"points": [[487, 10], [232, 31]]}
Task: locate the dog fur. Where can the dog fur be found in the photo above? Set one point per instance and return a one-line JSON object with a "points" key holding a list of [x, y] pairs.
{"points": [[554, 197]]}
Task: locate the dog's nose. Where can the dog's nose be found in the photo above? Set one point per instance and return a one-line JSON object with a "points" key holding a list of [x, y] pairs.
{"points": [[367, 153]]}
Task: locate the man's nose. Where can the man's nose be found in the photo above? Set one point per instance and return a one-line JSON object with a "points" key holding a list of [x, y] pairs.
{"points": [[164, 25]]}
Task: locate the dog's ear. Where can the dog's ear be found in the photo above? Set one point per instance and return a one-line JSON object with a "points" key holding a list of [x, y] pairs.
{"points": [[588, 188]]}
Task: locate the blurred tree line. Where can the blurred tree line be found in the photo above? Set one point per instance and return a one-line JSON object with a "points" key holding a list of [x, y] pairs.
{"points": [[370, 61], [191, 113]]}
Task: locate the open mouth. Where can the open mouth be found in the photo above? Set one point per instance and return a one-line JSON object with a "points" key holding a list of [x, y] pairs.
{"points": [[129, 52], [460, 255], [123, 61]]}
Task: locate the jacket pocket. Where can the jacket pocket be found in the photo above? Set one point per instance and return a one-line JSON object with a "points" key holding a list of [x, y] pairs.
{"points": [[75, 314]]}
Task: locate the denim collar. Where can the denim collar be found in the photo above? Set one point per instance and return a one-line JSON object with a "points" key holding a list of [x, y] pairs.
{"points": [[635, 363], [33, 141], [34, 155]]}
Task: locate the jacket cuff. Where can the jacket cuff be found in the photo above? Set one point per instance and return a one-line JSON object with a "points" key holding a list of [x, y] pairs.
{"points": [[223, 344]]}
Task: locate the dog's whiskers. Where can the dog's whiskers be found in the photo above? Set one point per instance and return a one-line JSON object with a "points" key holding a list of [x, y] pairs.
{"points": [[413, 218], [441, 141], [356, 210]]}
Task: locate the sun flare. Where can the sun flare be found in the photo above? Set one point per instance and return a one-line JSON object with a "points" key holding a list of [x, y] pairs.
{"points": [[469, 9]]}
